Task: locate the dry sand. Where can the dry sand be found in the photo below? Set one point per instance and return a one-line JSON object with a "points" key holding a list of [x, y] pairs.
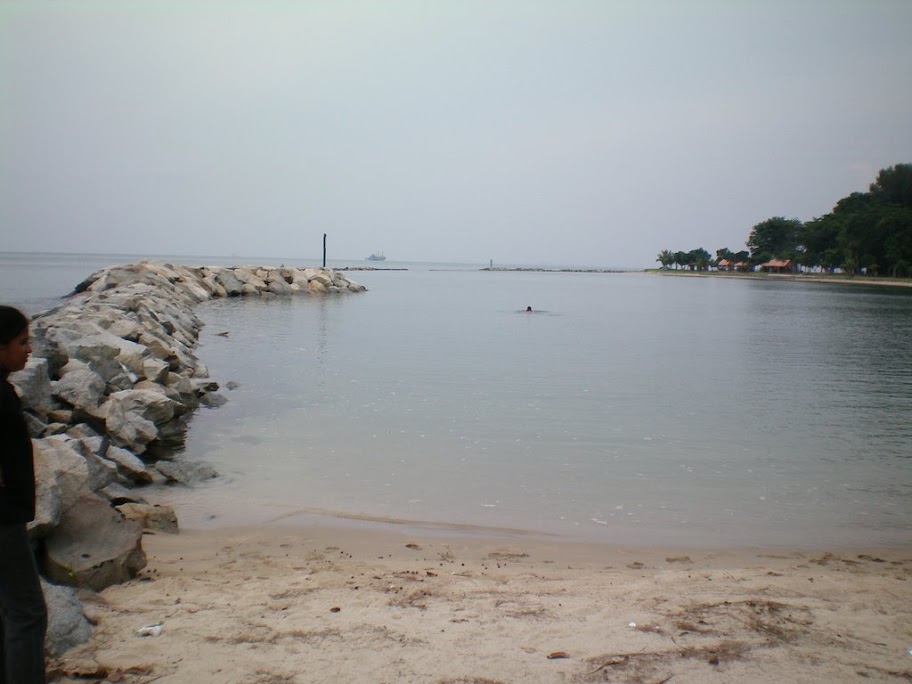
{"points": [[283, 605]]}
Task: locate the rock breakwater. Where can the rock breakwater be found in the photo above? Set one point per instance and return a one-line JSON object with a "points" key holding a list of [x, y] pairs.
{"points": [[108, 392]]}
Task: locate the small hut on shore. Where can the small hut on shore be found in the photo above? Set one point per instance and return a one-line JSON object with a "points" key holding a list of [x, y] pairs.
{"points": [[777, 266]]}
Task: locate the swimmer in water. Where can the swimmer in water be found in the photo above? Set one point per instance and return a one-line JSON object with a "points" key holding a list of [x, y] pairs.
{"points": [[528, 309]]}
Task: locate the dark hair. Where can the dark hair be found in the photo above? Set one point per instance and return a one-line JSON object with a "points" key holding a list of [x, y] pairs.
{"points": [[12, 322]]}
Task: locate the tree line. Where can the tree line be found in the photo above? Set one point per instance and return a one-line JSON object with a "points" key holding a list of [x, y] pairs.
{"points": [[866, 232]]}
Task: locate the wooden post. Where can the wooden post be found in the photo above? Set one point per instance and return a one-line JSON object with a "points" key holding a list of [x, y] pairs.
{"points": [[324, 250]]}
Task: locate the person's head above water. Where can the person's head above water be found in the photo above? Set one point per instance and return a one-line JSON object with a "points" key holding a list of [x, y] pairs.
{"points": [[529, 309]]}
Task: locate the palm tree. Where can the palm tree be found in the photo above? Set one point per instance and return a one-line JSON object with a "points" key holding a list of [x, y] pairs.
{"points": [[666, 258]]}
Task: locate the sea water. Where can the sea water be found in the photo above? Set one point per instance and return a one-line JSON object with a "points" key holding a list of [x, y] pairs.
{"points": [[625, 408]]}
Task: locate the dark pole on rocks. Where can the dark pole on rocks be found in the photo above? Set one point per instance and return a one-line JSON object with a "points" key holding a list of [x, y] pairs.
{"points": [[324, 250]]}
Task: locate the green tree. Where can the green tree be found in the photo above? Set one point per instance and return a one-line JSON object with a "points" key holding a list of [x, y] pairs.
{"points": [[666, 258], [861, 235], [775, 238], [865, 230], [897, 226], [699, 259], [733, 257], [894, 186], [820, 239], [724, 253]]}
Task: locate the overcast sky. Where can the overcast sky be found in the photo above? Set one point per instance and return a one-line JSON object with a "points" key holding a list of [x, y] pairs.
{"points": [[574, 132]]}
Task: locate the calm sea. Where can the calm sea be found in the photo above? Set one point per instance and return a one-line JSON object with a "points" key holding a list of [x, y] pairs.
{"points": [[627, 408]]}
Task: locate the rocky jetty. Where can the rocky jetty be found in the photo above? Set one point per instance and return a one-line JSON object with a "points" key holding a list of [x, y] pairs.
{"points": [[108, 391]]}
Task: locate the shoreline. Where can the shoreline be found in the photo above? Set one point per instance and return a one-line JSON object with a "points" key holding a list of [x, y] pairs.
{"points": [[302, 604], [796, 277], [197, 512]]}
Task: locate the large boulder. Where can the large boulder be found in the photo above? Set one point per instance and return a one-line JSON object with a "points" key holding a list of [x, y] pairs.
{"points": [[94, 546], [187, 279], [150, 404], [104, 352], [277, 284], [117, 494], [185, 472], [99, 354], [83, 389], [62, 478], [234, 286], [67, 625], [33, 385], [155, 369], [45, 348], [170, 442], [317, 287], [37, 427], [132, 417], [121, 326], [185, 392], [131, 430], [307, 273], [161, 348], [250, 278], [102, 472], [212, 400], [321, 277], [110, 278], [151, 516], [171, 319], [129, 468], [210, 282]]}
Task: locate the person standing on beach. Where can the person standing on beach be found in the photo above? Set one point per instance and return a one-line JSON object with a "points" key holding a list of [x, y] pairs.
{"points": [[23, 613]]}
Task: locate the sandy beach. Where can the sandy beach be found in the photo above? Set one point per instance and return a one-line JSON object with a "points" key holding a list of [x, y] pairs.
{"points": [[296, 605]]}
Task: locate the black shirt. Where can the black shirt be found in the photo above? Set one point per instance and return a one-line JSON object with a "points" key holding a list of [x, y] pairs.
{"points": [[17, 465]]}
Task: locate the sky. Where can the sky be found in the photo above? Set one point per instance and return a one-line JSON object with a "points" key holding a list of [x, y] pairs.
{"points": [[569, 132]]}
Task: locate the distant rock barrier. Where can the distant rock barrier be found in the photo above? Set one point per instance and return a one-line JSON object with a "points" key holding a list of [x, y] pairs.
{"points": [[108, 393]]}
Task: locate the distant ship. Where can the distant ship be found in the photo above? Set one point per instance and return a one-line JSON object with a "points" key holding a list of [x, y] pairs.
{"points": [[376, 256]]}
